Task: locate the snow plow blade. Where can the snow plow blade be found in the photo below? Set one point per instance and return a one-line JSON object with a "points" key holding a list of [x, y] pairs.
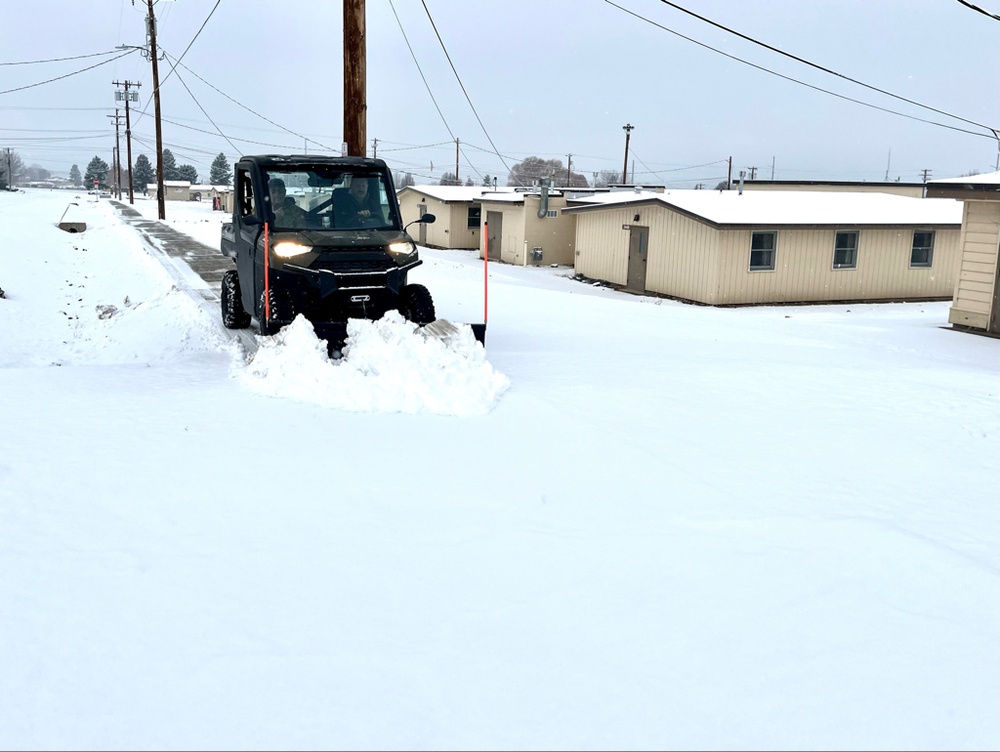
{"points": [[335, 332]]}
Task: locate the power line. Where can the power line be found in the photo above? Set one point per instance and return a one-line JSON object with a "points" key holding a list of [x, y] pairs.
{"points": [[253, 112], [199, 103], [421, 72], [59, 78], [197, 34], [819, 67], [459, 79], [992, 135], [62, 59], [980, 10]]}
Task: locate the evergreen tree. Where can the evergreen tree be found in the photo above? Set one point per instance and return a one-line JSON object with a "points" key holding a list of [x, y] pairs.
{"points": [[170, 166], [449, 178], [221, 173], [187, 172], [96, 170], [142, 173], [75, 176]]}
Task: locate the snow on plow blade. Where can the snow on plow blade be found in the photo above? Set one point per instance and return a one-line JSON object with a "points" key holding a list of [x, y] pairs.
{"points": [[335, 332]]}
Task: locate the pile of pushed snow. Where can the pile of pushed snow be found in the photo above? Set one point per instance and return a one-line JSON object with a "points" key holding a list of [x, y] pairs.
{"points": [[389, 365]]}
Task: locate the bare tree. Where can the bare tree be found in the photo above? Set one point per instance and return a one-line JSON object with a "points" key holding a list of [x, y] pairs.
{"points": [[530, 170], [607, 177], [11, 168]]}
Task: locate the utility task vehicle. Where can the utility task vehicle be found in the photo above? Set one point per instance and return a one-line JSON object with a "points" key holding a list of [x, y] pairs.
{"points": [[320, 236]]}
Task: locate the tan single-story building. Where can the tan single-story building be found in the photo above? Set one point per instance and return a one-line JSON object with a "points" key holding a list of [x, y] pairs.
{"points": [[755, 247], [975, 304], [457, 221], [173, 190], [528, 228]]}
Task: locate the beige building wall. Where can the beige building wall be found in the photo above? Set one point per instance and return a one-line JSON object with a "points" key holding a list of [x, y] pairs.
{"points": [[682, 260], [977, 275], [804, 267], [602, 244], [554, 235], [450, 228], [458, 233], [512, 242]]}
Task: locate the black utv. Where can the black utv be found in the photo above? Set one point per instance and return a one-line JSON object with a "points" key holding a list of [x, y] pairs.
{"points": [[322, 237]]}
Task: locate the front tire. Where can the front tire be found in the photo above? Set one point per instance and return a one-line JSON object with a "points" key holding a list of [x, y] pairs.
{"points": [[233, 315], [416, 304]]}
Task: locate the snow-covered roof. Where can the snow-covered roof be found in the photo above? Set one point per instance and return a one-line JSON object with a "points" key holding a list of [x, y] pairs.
{"points": [[513, 196], [988, 178], [177, 183], [791, 207], [454, 192]]}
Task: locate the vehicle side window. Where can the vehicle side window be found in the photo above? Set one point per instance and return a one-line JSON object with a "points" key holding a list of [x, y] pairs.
{"points": [[246, 198]]}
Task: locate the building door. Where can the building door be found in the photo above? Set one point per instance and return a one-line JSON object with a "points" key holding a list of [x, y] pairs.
{"points": [[421, 211], [495, 235], [638, 244]]}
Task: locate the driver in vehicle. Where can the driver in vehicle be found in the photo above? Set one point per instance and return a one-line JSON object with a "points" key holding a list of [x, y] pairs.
{"points": [[286, 212], [360, 205]]}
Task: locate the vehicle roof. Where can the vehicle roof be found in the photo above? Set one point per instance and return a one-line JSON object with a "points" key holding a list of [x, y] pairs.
{"points": [[304, 160]]}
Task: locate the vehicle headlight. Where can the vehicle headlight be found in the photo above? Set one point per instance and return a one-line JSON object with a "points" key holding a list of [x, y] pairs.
{"points": [[402, 248], [289, 250]]}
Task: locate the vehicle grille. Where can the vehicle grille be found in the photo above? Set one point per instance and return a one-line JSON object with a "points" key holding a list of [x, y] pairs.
{"points": [[344, 265]]}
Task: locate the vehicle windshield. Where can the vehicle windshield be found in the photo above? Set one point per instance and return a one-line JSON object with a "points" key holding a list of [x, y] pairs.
{"points": [[329, 199]]}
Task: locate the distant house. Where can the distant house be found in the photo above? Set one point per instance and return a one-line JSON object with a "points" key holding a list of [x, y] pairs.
{"points": [[753, 247], [975, 304], [457, 215], [527, 228], [173, 190]]}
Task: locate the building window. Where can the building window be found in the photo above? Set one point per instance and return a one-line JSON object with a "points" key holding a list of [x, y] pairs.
{"points": [[922, 252], [762, 247], [845, 250], [475, 217]]}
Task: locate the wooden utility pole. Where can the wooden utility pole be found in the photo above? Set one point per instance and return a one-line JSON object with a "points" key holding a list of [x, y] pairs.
{"points": [[569, 168], [628, 128], [129, 96], [151, 30], [118, 156], [355, 95]]}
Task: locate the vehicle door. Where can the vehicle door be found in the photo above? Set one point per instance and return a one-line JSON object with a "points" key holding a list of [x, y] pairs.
{"points": [[249, 259]]}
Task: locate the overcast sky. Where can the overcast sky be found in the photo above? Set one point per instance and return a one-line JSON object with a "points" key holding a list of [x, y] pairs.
{"points": [[547, 78]]}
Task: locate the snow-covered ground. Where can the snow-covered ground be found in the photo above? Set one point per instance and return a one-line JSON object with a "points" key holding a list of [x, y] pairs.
{"points": [[630, 523]]}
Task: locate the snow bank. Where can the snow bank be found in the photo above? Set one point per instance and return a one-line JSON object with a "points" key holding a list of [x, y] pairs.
{"points": [[389, 365]]}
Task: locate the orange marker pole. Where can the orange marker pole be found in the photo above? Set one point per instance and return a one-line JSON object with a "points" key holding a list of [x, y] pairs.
{"points": [[267, 287]]}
